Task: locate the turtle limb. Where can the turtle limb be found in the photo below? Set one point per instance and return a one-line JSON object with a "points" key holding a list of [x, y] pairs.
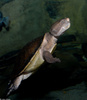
{"points": [[15, 84], [49, 58]]}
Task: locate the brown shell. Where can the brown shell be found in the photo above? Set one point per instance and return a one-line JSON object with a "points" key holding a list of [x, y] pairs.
{"points": [[25, 55]]}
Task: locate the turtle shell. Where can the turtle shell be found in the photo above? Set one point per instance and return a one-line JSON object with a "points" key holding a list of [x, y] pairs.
{"points": [[25, 55]]}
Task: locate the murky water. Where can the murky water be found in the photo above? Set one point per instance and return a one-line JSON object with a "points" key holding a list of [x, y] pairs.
{"points": [[30, 19]]}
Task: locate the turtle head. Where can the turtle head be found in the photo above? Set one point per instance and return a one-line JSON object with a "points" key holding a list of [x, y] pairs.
{"points": [[59, 27]]}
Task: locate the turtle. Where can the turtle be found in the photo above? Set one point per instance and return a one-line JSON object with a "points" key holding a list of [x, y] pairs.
{"points": [[35, 53]]}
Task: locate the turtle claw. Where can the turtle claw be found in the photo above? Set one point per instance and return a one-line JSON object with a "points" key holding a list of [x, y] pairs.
{"points": [[11, 88], [57, 60]]}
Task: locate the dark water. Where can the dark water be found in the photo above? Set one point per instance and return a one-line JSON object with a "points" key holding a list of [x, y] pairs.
{"points": [[2, 2], [32, 18]]}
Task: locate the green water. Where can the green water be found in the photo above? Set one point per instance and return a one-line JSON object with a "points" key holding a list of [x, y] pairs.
{"points": [[30, 19]]}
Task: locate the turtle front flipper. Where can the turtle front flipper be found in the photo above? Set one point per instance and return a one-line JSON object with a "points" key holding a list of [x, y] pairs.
{"points": [[49, 58]]}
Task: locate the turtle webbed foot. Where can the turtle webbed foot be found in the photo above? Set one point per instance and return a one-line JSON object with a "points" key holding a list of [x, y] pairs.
{"points": [[15, 84], [49, 58], [56, 60]]}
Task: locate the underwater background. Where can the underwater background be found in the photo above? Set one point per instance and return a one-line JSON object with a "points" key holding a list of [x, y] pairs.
{"points": [[30, 19]]}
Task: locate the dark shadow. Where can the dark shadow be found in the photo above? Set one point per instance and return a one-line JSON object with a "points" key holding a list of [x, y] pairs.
{"points": [[46, 80]]}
